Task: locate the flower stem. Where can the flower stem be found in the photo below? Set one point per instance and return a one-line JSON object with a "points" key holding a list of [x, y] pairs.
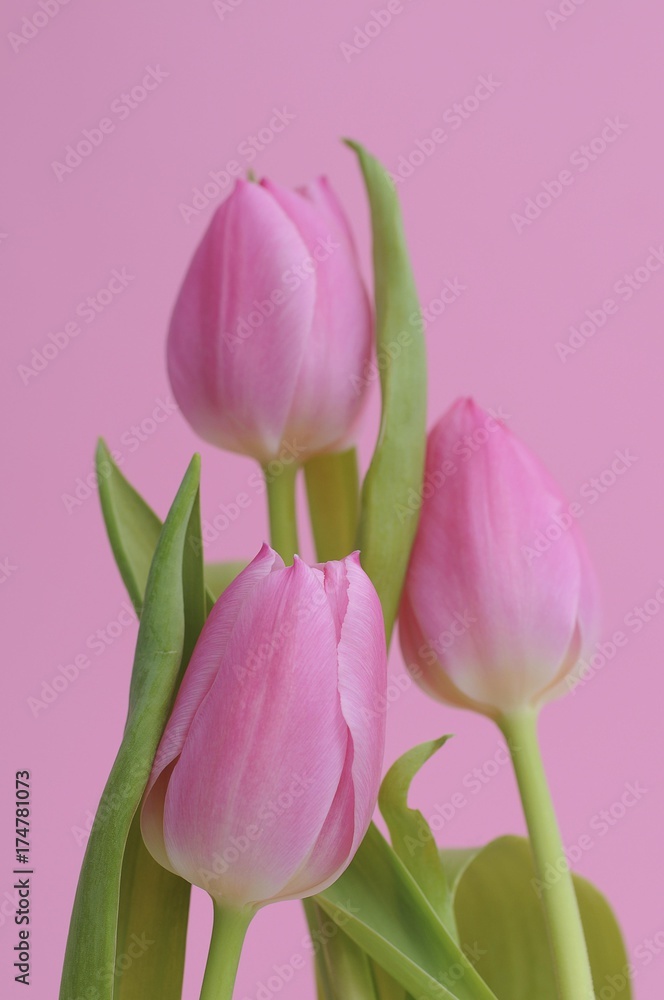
{"points": [[282, 511], [561, 910], [228, 933]]}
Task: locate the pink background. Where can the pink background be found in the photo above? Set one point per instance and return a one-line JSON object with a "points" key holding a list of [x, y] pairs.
{"points": [[120, 208]]}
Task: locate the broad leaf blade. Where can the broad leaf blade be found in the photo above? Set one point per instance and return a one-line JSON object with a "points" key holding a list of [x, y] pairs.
{"points": [[410, 833], [500, 920], [333, 495], [220, 575], [343, 971], [390, 507], [379, 905], [164, 638]]}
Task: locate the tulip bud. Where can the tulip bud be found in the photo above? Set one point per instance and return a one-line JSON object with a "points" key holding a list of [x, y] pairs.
{"points": [[267, 773], [271, 332], [492, 619]]}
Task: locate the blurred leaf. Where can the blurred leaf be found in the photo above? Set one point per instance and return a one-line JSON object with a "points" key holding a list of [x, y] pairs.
{"points": [[502, 927], [333, 494], [378, 904], [111, 907], [410, 833], [218, 576], [392, 488]]}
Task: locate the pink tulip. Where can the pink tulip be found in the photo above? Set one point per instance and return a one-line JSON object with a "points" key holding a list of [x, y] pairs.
{"points": [[271, 332], [267, 774], [500, 601]]}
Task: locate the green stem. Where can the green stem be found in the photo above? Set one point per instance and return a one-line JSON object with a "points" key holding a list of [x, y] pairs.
{"points": [[561, 910], [228, 933], [282, 510]]}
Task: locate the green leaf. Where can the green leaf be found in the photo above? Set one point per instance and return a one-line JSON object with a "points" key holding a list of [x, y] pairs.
{"points": [[106, 912], [392, 488], [333, 494], [386, 987], [378, 904], [133, 527], [344, 971], [218, 576], [410, 833], [501, 924]]}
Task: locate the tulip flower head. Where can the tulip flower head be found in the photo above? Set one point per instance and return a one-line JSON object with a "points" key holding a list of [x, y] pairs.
{"points": [[491, 619], [272, 332], [267, 773]]}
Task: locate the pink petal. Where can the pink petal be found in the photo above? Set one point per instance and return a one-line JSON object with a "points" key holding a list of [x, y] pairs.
{"points": [[362, 682], [362, 687], [329, 393], [469, 573], [269, 727], [235, 384], [197, 681]]}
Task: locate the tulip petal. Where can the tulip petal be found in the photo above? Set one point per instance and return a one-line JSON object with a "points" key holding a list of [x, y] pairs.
{"points": [[328, 395], [197, 681], [508, 612], [333, 850], [362, 684], [362, 659], [239, 329], [320, 193], [269, 734]]}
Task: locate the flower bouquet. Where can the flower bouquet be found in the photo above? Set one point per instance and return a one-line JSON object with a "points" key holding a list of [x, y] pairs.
{"points": [[252, 755]]}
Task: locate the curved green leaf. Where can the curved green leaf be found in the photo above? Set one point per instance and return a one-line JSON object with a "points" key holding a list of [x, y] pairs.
{"points": [[410, 833], [501, 923], [378, 904], [133, 528], [173, 613], [392, 488]]}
